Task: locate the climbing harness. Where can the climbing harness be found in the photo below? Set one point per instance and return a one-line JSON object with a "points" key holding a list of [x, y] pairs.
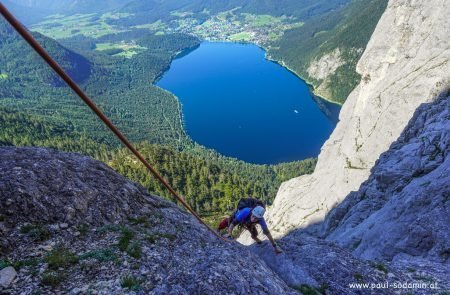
{"points": [[57, 68]]}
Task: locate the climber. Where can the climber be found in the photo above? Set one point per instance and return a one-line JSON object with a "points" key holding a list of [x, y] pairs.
{"points": [[248, 216]]}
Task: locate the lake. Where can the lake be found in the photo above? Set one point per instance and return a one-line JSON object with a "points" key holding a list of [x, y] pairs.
{"points": [[244, 106]]}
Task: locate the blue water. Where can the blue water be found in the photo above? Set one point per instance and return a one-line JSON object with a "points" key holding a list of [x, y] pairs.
{"points": [[242, 105]]}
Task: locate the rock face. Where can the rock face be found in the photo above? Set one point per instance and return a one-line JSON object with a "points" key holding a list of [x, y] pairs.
{"points": [[322, 266], [71, 225], [150, 246], [322, 69], [52, 186], [405, 64], [326, 65], [403, 208], [7, 275], [394, 229]]}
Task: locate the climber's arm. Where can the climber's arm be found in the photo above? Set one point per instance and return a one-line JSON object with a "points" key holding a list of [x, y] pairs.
{"points": [[266, 231], [230, 229]]}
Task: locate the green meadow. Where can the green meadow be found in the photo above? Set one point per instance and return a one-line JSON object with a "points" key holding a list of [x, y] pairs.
{"points": [[89, 25]]}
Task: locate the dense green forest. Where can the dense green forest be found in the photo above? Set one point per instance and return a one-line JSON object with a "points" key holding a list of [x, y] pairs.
{"points": [[348, 29], [21, 129], [210, 183], [122, 87]]}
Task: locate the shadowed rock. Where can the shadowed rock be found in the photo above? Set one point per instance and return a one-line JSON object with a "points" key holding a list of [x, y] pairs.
{"points": [[403, 207]]}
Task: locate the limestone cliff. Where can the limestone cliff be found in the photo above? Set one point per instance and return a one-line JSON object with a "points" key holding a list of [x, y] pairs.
{"points": [[322, 69], [405, 64], [402, 211], [394, 229]]}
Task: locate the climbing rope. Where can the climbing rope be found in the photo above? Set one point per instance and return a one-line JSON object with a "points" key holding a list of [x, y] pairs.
{"points": [[59, 70]]}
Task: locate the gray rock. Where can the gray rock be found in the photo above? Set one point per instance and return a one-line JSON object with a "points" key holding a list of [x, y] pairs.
{"points": [[403, 207], [54, 227], [322, 265], [7, 275], [177, 255], [401, 69], [394, 229], [63, 225], [60, 183]]}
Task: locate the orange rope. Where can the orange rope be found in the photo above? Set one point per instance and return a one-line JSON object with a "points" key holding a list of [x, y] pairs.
{"points": [[57, 68]]}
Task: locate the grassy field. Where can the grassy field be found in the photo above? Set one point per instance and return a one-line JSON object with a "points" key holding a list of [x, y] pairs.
{"points": [[295, 25], [156, 26], [127, 49], [127, 54], [224, 15], [244, 36], [181, 13], [261, 20], [90, 25], [274, 36], [186, 23]]}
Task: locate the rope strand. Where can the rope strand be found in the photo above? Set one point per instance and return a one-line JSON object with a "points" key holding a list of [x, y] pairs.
{"points": [[59, 70]]}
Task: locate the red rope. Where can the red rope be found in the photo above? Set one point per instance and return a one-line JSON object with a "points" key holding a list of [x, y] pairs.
{"points": [[57, 68]]}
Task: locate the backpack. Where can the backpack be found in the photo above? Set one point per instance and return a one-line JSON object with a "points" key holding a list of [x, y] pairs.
{"points": [[249, 203]]}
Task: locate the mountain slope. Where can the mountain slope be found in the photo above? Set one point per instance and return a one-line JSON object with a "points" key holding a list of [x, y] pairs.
{"points": [[121, 87], [400, 70], [325, 50], [319, 40], [31, 11], [154, 9], [211, 183], [21, 63], [71, 224], [128, 243]]}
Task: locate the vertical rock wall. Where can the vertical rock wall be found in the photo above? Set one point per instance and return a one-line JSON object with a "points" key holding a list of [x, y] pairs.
{"points": [[406, 63]]}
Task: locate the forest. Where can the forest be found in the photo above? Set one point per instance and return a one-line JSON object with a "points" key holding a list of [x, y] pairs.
{"points": [[348, 29], [211, 183], [122, 87]]}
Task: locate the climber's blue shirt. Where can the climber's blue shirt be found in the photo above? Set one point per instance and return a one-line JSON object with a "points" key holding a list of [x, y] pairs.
{"points": [[243, 217]]}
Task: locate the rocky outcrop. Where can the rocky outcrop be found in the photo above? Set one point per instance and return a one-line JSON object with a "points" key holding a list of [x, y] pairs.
{"points": [[325, 66], [394, 227], [322, 69], [403, 208], [129, 242], [51, 186], [397, 222], [322, 267], [71, 225], [393, 230], [405, 64], [7, 275]]}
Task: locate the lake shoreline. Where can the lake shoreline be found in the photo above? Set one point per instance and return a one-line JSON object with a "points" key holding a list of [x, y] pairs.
{"points": [[282, 64], [319, 100], [309, 83], [175, 56], [235, 135]]}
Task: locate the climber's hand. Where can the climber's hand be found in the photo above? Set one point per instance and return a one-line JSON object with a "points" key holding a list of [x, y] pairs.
{"points": [[228, 236], [277, 249]]}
